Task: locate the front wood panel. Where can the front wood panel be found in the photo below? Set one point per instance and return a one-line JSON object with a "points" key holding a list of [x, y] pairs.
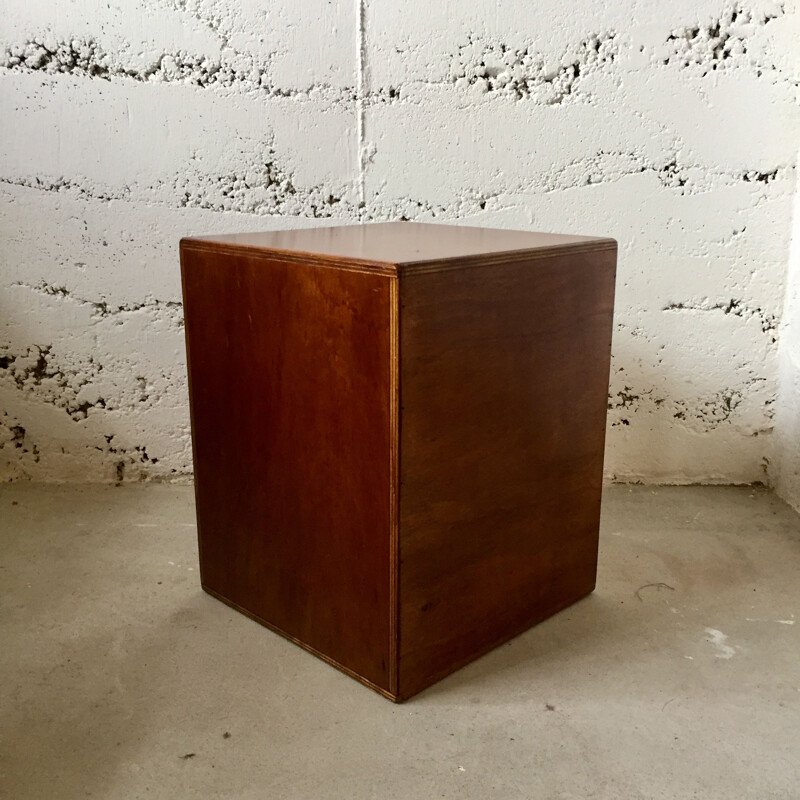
{"points": [[504, 375], [291, 394]]}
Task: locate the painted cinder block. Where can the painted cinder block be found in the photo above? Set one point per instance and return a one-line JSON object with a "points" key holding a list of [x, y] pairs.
{"points": [[674, 129]]}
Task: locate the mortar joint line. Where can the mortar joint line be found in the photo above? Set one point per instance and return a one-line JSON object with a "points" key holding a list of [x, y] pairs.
{"points": [[361, 91]]}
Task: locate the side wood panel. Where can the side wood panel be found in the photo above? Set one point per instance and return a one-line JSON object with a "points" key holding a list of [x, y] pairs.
{"points": [[504, 380], [291, 397]]}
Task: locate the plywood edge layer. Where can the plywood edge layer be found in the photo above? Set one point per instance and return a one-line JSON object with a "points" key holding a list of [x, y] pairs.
{"points": [[394, 486], [504, 257], [399, 269], [291, 256]]}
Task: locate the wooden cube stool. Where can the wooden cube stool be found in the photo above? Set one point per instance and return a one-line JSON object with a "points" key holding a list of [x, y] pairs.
{"points": [[398, 435]]}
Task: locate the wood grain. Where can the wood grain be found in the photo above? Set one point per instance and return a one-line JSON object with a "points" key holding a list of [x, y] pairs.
{"points": [[290, 376], [504, 375], [398, 436]]}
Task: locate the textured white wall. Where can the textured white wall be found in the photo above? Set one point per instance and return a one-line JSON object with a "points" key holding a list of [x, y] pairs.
{"points": [[671, 127], [787, 415]]}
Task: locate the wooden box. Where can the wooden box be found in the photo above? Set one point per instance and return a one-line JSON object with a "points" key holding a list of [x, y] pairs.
{"points": [[398, 435]]}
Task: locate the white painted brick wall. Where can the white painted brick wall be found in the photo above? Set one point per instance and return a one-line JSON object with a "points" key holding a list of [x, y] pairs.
{"points": [[671, 127]]}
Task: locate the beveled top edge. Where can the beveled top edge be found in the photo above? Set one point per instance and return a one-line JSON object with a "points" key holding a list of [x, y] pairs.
{"points": [[395, 248]]}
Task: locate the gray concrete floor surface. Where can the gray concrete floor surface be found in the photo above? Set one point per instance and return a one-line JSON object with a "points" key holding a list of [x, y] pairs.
{"points": [[119, 678]]}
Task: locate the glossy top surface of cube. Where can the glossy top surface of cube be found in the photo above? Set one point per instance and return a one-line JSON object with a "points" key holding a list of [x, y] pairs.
{"points": [[401, 247]]}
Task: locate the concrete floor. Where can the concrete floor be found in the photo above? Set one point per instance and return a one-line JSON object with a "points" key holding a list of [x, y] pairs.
{"points": [[120, 678]]}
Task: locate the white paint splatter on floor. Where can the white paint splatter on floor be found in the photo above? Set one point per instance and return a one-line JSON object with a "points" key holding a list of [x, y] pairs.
{"points": [[719, 640]]}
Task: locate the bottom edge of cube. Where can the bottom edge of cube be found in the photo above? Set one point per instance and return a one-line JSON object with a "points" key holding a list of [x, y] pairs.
{"points": [[540, 616], [395, 698]]}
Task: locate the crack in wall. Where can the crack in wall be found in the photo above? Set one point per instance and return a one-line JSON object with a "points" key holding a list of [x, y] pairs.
{"points": [[738, 308], [131, 455], [410, 209], [524, 73], [121, 461], [722, 41], [14, 436], [704, 413], [132, 462], [609, 166], [36, 371], [172, 309], [86, 58], [268, 190], [710, 412], [747, 405], [69, 186], [263, 188], [83, 384], [753, 176], [671, 175]]}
